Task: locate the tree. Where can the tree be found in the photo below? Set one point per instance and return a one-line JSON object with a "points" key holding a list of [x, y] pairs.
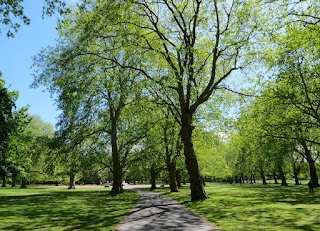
{"points": [[283, 131], [97, 98], [164, 142], [186, 49], [7, 126], [12, 14], [295, 66]]}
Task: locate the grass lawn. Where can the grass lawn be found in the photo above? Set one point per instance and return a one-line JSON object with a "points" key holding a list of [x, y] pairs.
{"points": [[256, 207], [57, 208]]}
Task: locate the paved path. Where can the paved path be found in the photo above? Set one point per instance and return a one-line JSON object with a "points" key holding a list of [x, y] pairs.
{"points": [[157, 212]]}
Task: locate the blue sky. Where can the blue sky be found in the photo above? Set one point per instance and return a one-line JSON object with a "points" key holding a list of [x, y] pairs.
{"points": [[16, 60]]}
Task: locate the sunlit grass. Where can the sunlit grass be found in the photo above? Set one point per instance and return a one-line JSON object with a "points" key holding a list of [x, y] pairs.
{"points": [[256, 207], [57, 208]]}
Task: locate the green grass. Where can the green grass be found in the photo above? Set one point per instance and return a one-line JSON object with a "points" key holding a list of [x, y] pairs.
{"points": [[256, 207], [57, 208]]}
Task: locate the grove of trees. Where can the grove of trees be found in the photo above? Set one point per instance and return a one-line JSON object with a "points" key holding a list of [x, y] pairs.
{"points": [[172, 90]]}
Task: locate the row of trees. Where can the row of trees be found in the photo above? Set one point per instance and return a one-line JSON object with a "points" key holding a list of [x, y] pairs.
{"points": [[284, 121], [146, 83], [174, 53], [111, 67]]}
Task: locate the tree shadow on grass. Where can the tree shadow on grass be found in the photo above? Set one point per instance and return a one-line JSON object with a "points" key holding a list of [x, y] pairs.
{"points": [[65, 210], [259, 207]]}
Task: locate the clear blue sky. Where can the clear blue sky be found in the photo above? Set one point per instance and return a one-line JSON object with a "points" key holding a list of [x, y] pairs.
{"points": [[16, 60]]}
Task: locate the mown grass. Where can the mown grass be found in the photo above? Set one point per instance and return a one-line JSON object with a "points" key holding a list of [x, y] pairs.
{"points": [[256, 207], [57, 208]]}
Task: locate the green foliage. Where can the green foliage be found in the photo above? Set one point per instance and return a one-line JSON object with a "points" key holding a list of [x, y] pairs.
{"points": [[28, 147], [212, 154], [12, 14], [7, 106]]}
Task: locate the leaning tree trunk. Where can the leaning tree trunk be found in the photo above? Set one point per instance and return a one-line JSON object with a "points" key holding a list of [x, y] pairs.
{"points": [[24, 183], [274, 175], [153, 175], [4, 181], [313, 171], [196, 184], [312, 167], [117, 171]]}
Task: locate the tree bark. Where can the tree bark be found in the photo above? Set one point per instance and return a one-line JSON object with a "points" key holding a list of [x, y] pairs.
{"points": [[313, 171], [312, 167], [153, 175], [117, 171], [196, 184]]}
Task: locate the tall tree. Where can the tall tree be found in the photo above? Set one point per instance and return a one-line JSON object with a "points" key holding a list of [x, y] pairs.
{"points": [[187, 50], [7, 126]]}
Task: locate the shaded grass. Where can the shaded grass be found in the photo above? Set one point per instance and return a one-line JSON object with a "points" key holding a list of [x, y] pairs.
{"points": [[53, 208], [256, 207]]}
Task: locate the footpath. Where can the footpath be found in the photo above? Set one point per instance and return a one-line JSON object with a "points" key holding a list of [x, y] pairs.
{"points": [[157, 212]]}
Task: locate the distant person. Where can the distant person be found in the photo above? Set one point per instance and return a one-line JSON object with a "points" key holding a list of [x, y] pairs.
{"points": [[310, 185]]}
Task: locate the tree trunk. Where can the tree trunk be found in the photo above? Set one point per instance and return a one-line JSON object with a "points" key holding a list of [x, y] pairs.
{"points": [[263, 177], [178, 177], [117, 171], [4, 181], [14, 181], [251, 178], [24, 183], [153, 175], [296, 171], [274, 175], [282, 176], [170, 163], [196, 184], [312, 167], [71, 180], [254, 179], [313, 172], [171, 166]]}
